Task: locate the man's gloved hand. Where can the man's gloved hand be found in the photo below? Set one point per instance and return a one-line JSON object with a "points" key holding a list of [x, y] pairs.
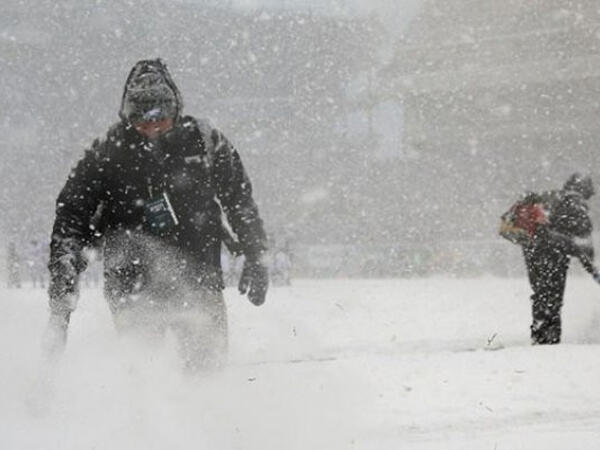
{"points": [[254, 281], [596, 276]]}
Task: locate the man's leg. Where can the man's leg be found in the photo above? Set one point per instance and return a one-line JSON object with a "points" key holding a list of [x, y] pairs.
{"points": [[533, 263], [557, 283], [547, 300], [133, 311], [201, 330]]}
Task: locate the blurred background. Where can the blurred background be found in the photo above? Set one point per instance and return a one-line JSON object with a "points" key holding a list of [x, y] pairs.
{"points": [[383, 138]]}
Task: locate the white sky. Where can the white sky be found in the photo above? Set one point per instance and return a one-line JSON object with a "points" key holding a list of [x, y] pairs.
{"points": [[394, 13]]}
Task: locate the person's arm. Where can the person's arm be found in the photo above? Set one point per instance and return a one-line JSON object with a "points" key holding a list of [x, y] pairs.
{"points": [[581, 248], [75, 207], [571, 229], [234, 191], [571, 217]]}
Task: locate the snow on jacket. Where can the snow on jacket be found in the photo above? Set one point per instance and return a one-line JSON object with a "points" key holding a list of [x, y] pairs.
{"points": [[569, 230], [108, 191]]}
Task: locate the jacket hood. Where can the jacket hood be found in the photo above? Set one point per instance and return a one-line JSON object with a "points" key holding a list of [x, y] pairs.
{"points": [[581, 184], [150, 93]]}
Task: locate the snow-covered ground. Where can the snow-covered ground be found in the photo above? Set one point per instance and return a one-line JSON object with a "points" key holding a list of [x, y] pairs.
{"points": [[324, 364]]}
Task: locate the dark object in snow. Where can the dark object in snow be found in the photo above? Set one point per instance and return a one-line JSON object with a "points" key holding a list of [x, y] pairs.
{"points": [[552, 227], [153, 196]]}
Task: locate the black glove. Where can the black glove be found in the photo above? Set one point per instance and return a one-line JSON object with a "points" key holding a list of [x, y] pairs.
{"points": [[254, 281], [596, 276]]}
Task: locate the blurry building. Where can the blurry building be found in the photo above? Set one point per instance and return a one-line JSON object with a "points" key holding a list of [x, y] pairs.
{"points": [[499, 97]]}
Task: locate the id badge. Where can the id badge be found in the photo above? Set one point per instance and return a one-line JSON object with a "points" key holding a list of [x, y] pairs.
{"points": [[160, 215]]}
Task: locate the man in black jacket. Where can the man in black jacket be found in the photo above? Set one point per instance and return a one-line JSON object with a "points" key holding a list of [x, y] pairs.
{"points": [[154, 193], [567, 234]]}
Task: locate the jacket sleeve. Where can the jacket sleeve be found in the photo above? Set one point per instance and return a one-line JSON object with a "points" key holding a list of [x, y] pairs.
{"points": [[579, 248], [234, 191], [572, 227], [73, 230], [572, 218]]}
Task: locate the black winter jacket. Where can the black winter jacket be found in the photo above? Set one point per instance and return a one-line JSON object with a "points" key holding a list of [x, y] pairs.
{"points": [[108, 193], [569, 230]]}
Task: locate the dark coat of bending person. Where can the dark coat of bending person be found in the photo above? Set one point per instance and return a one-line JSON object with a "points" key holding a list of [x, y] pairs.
{"points": [[153, 194], [547, 257]]}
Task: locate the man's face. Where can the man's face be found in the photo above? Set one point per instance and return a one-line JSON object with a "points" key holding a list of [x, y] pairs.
{"points": [[153, 129]]}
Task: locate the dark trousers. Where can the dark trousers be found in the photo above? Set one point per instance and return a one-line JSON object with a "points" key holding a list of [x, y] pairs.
{"points": [[152, 288], [198, 320], [547, 269]]}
